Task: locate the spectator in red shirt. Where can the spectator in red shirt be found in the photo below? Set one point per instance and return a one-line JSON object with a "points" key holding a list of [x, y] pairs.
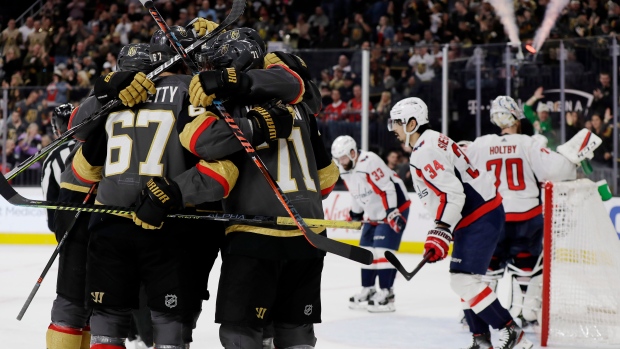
{"points": [[335, 111], [354, 107]]}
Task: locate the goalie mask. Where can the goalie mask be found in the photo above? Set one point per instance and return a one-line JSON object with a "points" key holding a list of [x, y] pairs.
{"points": [[505, 112], [341, 147], [60, 118], [134, 57], [160, 48]]}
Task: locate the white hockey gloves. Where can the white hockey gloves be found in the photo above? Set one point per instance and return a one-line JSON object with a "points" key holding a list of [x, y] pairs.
{"points": [[580, 147]]}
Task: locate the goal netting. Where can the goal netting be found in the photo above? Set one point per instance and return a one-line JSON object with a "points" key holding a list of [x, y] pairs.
{"points": [[581, 277]]}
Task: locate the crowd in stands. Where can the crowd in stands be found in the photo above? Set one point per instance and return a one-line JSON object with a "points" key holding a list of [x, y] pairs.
{"points": [[55, 56]]}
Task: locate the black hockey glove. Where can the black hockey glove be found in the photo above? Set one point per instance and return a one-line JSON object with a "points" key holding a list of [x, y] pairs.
{"points": [[159, 196], [130, 87], [355, 217], [271, 121], [225, 83]]}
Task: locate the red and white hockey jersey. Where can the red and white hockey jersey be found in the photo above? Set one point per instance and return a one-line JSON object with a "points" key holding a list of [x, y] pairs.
{"points": [[453, 190], [519, 163], [374, 187]]}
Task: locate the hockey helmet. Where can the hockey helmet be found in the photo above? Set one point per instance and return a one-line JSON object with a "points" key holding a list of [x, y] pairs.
{"points": [[60, 118], [505, 112], [134, 57], [160, 47], [342, 146], [240, 54], [404, 110], [244, 33]]}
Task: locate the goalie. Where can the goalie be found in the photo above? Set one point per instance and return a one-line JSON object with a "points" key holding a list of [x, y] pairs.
{"points": [[519, 163]]}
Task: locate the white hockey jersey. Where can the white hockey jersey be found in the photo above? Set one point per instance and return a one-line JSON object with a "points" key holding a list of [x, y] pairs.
{"points": [[374, 186], [453, 191], [519, 163]]}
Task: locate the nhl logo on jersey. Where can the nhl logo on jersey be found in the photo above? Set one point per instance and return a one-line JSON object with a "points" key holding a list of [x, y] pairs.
{"points": [[132, 51], [308, 310], [170, 301]]}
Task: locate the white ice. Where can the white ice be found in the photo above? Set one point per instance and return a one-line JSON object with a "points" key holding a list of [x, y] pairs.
{"points": [[426, 316]]}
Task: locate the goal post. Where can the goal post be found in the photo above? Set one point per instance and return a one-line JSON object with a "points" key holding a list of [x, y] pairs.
{"points": [[581, 268]]}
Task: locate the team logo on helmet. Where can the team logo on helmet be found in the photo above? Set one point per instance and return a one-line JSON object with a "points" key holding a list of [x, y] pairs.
{"points": [[224, 49], [132, 51], [182, 31], [234, 35]]}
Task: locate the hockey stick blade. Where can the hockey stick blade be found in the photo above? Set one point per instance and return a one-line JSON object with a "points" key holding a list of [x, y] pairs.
{"points": [[399, 266], [237, 9], [13, 197], [321, 242]]}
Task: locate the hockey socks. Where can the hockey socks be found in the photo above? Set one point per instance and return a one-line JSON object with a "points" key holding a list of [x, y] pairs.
{"points": [[495, 315], [368, 277], [386, 277], [476, 324], [61, 337], [85, 338]]}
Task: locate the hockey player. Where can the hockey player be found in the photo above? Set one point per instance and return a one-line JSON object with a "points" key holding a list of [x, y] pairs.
{"points": [[144, 159], [268, 273], [378, 192], [467, 210], [519, 164]]}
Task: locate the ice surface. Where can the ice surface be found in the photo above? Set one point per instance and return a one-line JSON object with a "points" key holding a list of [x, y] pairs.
{"points": [[426, 316]]}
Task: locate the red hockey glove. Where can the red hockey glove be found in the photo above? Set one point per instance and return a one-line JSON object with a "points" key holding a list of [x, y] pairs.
{"points": [[355, 217], [437, 239], [396, 220]]}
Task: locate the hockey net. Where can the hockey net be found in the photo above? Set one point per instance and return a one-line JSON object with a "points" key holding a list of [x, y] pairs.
{"points": [[581, 277]]}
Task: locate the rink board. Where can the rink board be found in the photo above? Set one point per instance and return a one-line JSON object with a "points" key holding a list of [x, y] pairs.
{"points": [[22, 225]]}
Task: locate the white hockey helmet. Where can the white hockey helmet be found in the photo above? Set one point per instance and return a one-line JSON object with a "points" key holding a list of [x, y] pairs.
{"points": [[405, 109], [505, 112], [342, 146]]}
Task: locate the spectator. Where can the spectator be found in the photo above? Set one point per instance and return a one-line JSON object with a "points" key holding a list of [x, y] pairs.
{"points": [[123, 28], [602, 94], [395, 161], [326, 95], [33, 65], [319, 19], [57, 90], [30, 108], [12, 64], [303, 30], [573, 124], [384, 106], [354, 106], [422, 63], [26, 29], [356, 32], [335, 110], [207, 12], [603, 154], [11, 38], [388, 80], [220, 9], [16, 127], [540, 119], [338, 79], [410, 32], [343, 64], [384, 31], [111, 58], [37, 37], [28, 143], [9, 148], [62, 46], [346, 91]]}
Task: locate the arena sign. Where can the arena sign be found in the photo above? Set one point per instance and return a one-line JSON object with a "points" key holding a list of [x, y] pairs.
{"points": [[575, 100]]}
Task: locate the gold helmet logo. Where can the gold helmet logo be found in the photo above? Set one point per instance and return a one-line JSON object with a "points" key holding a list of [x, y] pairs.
{"points": [[234, 35], [224, 49], [132, 51], [182, 31]]}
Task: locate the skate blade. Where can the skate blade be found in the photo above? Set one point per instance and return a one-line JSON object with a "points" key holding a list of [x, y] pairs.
{"points": [[524, 343], [358, 306], [381, 309]]}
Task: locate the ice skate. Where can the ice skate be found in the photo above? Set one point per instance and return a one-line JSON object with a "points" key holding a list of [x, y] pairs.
{"points": [[382, 301], [512, 337], [360, 300], [481, 341]]}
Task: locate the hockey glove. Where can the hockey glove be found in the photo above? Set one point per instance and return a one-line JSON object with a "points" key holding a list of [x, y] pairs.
{"points": [[130, 87], [271, 121], [437, 239], [225, 82], [396, 220], [355, 217], [159, 196], [203, 26]]}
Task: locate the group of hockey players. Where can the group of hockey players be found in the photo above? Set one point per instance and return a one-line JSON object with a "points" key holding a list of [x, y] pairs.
{"points": [[485, 198], [168, 148]]}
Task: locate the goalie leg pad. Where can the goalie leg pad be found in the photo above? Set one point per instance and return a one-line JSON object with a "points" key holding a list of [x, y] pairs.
{"points": [[580, 147], [63, 337], [492, 277], [167, 329], [533, 299], [294, 336]]}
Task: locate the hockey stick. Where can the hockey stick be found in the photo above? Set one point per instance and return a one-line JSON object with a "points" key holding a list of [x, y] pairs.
{"points": [[355, 253], [52, 258], [14, 198], [235, 12], [399, 266]]}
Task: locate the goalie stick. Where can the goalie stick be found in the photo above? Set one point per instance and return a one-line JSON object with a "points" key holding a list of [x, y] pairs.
{"points": [[237, 9], [321, 242], [52, 258], [399, 266], [14, 198]]}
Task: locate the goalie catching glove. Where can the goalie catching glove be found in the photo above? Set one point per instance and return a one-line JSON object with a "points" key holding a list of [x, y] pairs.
{"points": [[132, 88], [226, 82], [160, 196], [437, 239], [580, 147], [396, 220], [271, 121]]}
